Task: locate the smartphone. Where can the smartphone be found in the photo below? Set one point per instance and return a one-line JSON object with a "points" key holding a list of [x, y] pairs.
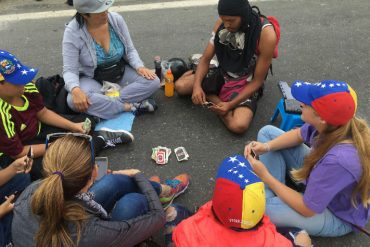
{"points": [[253, 154], [102, 163]]}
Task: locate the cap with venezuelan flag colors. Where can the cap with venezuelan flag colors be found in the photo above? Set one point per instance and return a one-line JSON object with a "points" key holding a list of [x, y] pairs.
{"points": [[239, 195], [334, 101], [13, 71]]}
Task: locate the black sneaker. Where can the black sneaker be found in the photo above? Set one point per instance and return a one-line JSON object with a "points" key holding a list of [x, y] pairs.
{"points": [[147, 105], [112, 137]]}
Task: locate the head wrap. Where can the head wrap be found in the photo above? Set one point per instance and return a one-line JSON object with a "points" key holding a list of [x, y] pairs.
{"points": [[231, 59]]}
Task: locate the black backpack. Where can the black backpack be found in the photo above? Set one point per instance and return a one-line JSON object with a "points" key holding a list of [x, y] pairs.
{"points": [[54, 94]]}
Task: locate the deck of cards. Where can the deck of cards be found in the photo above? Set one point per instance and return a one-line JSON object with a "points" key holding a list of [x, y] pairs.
{"points": [[181, 154], [160, 155]]}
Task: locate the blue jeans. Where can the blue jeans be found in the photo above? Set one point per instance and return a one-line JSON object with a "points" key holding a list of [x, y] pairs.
{"points": [[17, 184], [121, 196], [279, 163], [5, 229]]}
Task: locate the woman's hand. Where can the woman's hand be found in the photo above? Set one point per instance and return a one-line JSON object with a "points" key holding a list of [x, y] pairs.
{"points": [[127, 172], [80, 100], [222, 108], [258, 167], [147, 73], [258, 148], [198, 97], [7, 206], [22, 165]]}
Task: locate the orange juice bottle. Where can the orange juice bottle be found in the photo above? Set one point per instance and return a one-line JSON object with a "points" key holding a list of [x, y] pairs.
{"points": [[169, 85]]}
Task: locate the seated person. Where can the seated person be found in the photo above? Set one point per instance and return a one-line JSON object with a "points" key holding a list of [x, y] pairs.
{"points": [[26, 121], [335, 171], [69, 208], [13, 179], [97, 47], [235, 215], [237, 84]]}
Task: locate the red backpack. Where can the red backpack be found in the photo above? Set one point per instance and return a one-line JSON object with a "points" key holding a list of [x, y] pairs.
{"points": [[275, 24]]}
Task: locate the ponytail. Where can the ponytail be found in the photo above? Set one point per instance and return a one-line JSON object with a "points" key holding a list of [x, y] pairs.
{"points": [[68, 168], [361, 138]]}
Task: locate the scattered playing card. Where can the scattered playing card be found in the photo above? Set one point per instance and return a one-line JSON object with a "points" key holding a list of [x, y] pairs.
{"points": [[161, 158], [181, 154], [160, 154]]}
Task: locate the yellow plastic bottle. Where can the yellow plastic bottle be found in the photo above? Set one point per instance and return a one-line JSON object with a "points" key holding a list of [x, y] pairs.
{"points": [[169, 85]]}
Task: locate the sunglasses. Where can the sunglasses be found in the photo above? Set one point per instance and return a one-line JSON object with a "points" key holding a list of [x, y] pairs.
{"points": [[52, 137], [232, 41], [230, 44]]}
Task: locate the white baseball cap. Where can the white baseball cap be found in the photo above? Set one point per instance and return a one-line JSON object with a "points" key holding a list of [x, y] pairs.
{"points": [[92, 6]]}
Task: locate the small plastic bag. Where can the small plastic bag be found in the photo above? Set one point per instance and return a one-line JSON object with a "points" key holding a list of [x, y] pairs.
{"points": [[111, 89]]}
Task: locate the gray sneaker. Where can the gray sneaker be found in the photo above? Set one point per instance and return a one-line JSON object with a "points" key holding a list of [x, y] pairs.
{"points": [[147, 105], [114, 137]]}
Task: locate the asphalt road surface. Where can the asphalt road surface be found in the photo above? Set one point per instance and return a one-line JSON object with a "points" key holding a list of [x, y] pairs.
{"points": [[326, 39]]}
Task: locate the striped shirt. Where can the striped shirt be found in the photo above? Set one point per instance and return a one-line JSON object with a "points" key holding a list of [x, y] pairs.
{"points": [[20, 124]]}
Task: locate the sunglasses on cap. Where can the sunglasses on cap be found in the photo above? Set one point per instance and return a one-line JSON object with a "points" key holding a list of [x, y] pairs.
{"points": [[52, 137]]}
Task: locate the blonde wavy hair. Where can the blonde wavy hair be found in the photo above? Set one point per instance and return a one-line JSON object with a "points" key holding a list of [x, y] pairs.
{"points": [[53, 200], [355, 131]]}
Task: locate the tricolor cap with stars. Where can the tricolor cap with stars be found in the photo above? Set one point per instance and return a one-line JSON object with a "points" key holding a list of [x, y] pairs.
{"points": [[334, 101], [13, 71], [239, 196]]}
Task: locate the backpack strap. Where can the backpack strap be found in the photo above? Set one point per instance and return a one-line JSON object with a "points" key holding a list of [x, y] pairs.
{"points": [[276, 26]]}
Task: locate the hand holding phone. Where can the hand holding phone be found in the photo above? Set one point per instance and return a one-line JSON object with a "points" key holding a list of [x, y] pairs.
{"points": [[254, 155], [249, 146]]}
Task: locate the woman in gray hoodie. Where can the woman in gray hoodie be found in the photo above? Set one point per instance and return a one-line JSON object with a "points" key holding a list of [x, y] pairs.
{"points": [[97, 47]]}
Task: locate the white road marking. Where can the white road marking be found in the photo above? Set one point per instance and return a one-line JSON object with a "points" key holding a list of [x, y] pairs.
{"points": [[128, 8]]}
